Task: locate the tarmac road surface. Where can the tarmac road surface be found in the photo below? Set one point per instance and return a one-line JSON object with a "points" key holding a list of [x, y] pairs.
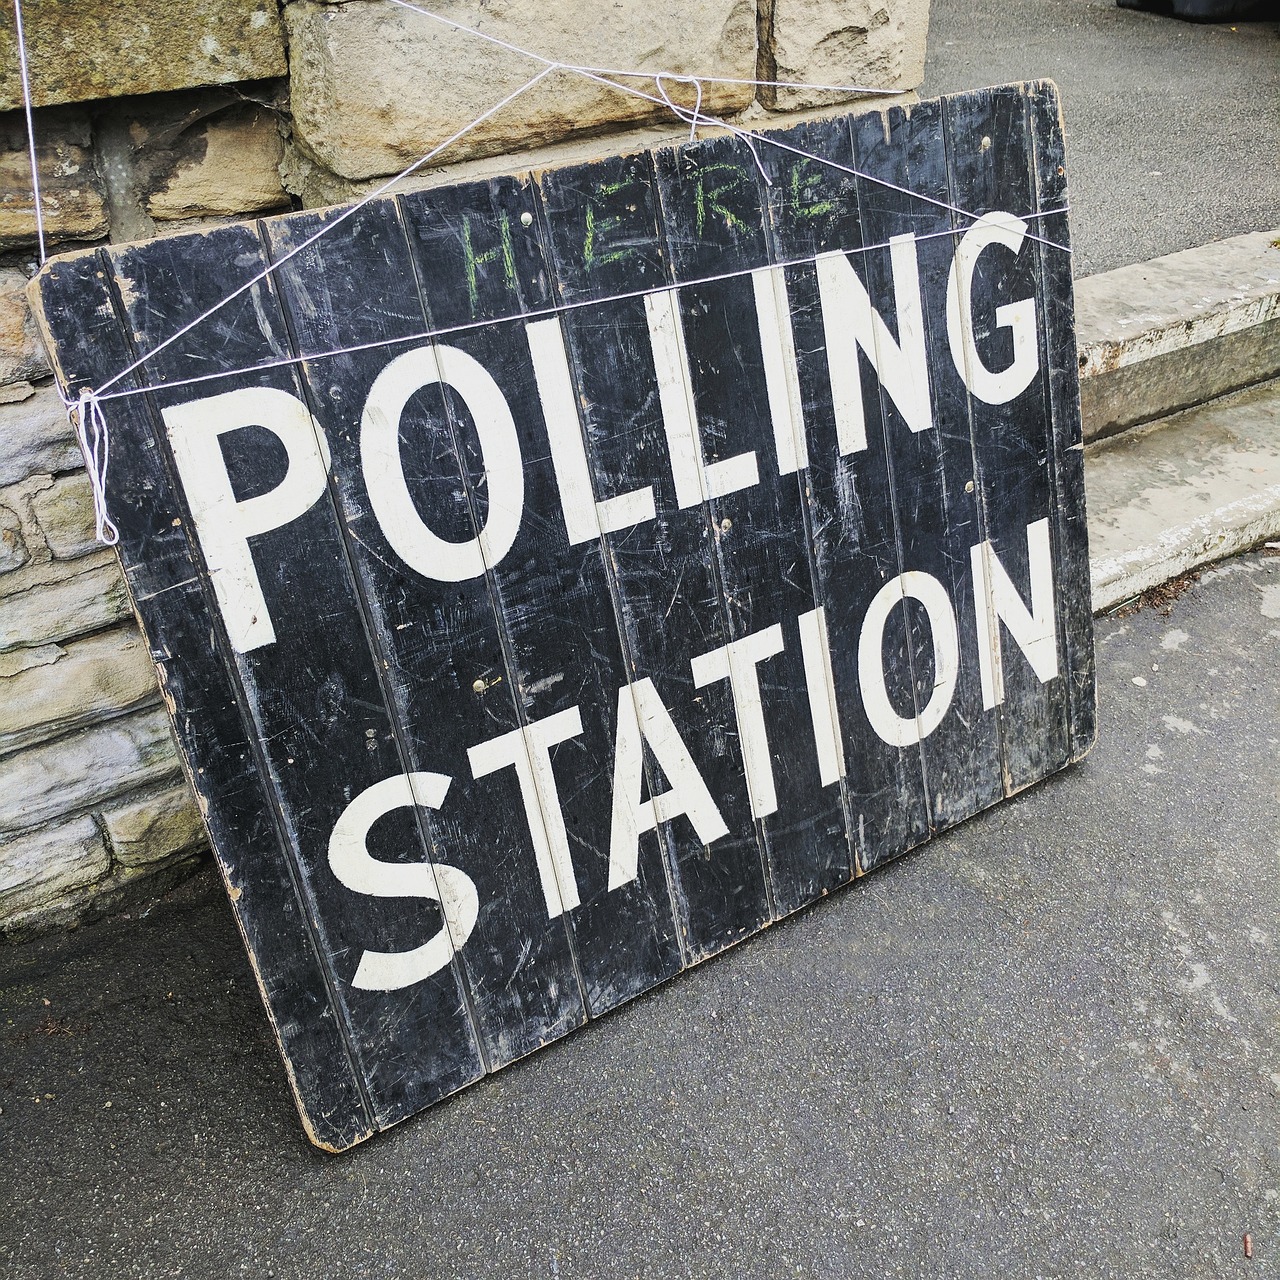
{"points": [[1047, 1044]]}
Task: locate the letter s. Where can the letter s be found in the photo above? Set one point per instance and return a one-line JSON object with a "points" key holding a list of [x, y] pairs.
{"points": [[455, 891]]}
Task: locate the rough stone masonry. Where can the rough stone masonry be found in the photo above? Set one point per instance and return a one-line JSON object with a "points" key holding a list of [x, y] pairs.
{"points": [[167, 115]]}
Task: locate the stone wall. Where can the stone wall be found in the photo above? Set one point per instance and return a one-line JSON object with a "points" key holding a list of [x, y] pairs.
{"points": [[161, 115]]}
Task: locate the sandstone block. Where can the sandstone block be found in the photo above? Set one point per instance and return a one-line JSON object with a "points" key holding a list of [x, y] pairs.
{"points": [[39, 869], [158, 826], [874, 44], [72, 197], [64, 512], [35, 437], [83, 49], [374, 86], [13, 548], [88, 680], [85, 768], [225, 166], [88, 600], [22, 354]]}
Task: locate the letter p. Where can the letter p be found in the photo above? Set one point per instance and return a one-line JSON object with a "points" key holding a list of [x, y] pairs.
{"points": [[223, 524]]}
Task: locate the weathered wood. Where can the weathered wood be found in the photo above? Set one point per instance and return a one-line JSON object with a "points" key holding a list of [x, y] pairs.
{"points": [[225, 764], [318, 712], [1067, 471], [990, 161], [480, 257], [434, 640], [556, 578]]}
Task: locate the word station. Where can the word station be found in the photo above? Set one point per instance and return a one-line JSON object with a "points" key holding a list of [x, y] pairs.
{"points": [[554, 580]]}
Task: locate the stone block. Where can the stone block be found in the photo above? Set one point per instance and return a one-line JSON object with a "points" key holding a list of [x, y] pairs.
{"points": [[85, 768], [873, 44], [1156, 337], [22, 354], [64, 512], [89, 599], [36, 438], [227, 165], [79, 50], [13, 547], [39, 869], [88, 680], [162, 825], [374, 86], [72, 196]]}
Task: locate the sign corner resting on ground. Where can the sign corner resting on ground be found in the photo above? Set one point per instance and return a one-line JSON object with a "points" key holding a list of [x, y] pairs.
{"points": [[554, 579]]}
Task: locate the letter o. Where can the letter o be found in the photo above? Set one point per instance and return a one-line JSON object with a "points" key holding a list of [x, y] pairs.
{"points": [[405, 530], [893, 728]]}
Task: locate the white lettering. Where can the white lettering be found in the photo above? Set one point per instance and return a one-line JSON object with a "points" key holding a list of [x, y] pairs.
{"points": [[643, 718], [904, 731], [584, 517], [851, 323], [815, 648], [393, 505], [223, 525], [998, 601], [781, 377], [737, 662], [350, 862], [528, 749], [695, 480], [1020, 317]]}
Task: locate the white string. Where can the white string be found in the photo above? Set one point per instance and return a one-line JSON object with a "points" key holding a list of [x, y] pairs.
{"points": [[31, 128], [599, 75], [539, 313], [552, 63], [86, 412], [95, 444], [324, 231]]}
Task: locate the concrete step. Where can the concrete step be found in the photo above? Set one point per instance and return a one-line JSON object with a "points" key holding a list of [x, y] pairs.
{"points": [[1190, 489], [1164, 335]]}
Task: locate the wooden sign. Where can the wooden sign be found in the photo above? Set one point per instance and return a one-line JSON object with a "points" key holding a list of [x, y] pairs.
{"points": [[557, 579]]}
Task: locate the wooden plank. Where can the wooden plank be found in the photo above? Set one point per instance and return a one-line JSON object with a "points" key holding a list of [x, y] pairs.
{"points": [[990, 165], [930, 456], [202, 689], [815, 213], [747, 405], [446, 673], [605, 240], [311, 688], [1071, 538], [479, 255]]}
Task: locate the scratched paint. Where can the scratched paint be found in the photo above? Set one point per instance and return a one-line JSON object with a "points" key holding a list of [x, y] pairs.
{"points": [[610, 561]]}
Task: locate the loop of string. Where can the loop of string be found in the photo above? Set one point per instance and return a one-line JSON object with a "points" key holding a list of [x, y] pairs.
{"points": [[95, 443], [86, 411]]}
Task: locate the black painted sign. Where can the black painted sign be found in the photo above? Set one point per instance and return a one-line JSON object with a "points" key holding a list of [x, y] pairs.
{"points": [[556, 579]]}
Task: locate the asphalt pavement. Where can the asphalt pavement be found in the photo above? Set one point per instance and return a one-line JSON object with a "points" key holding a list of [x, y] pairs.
{"points": [[1173, 128], [1047, 1044]]}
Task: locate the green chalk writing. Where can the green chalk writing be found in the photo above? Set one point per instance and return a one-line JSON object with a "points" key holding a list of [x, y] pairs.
{"points": [[800, 193], [708, 197], [503, 251], [594, 254]]}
